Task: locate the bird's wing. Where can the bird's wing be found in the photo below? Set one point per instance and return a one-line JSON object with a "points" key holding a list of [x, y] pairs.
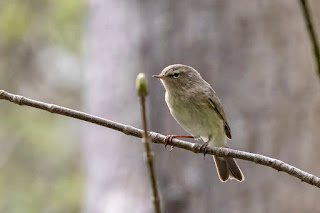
{"points": [[216, 104]]}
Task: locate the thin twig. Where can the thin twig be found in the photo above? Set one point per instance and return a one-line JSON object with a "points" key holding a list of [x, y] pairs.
{"points": [[142, 92], [158, 138], [312, 33]]}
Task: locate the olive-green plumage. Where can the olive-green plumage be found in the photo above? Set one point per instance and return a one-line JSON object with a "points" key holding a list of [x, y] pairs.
{"points": [[196, 107]]}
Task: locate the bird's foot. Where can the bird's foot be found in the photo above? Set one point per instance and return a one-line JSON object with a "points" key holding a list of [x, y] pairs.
{"points": [[169, 140], [203, 148]]}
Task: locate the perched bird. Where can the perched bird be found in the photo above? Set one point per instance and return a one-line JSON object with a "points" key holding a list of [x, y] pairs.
{"points": [[196, 107]]}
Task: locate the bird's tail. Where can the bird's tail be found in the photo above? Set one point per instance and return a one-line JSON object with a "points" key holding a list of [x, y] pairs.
{"points": [[227, 168]]}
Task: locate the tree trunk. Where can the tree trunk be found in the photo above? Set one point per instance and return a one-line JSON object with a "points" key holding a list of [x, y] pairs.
{"points": [[258, 58]]}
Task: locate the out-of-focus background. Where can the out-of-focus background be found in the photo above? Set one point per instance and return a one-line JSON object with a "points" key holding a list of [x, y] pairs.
{"points": [[86, 54], [40, 57]]}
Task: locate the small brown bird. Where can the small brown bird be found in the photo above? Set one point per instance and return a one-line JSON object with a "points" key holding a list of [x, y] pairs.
{"points": [[196, 107]]}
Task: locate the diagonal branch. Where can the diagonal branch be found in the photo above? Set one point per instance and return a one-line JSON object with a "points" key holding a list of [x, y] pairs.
{"points": [[312, 33], [158, 138]]}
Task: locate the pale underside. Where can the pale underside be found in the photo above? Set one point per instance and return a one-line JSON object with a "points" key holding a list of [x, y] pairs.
{"points": [[199, 119]]}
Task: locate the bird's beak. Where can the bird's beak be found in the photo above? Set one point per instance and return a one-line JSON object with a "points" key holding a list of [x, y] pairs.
{"points": [[158, 76]]}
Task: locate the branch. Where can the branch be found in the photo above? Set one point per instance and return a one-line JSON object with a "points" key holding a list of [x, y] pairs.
{"points": [[313, 37], [142, 93], [158, 138]]}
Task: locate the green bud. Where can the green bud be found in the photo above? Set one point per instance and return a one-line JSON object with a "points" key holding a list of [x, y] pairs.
{"points": [[141, 85]]}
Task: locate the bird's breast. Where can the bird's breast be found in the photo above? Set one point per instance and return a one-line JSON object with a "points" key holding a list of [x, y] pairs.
{"points": [[196, 116]]}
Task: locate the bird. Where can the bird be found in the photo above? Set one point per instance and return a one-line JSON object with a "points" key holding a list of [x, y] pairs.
{"points": [[196, 107]]}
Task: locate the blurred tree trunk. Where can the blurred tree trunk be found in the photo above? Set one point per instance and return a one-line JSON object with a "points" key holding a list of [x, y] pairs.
{"points": [[257, 57], [117, 180]]}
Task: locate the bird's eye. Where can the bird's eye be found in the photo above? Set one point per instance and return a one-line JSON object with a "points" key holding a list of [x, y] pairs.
{"points": [[175, 75]]}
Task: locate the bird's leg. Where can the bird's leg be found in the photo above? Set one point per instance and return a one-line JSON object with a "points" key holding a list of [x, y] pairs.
{"points": [[170, 137], [203, 148]]}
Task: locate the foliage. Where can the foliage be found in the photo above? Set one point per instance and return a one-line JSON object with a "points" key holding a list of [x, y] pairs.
{"points": [[44, 21], [39, 162]]}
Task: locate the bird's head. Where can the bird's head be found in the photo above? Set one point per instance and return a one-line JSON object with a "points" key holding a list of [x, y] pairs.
{"points": [[178, 76]]}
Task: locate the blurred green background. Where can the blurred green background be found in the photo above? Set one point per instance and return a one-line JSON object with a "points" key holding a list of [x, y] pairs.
{"points": [[85, 55], [40, 53]]}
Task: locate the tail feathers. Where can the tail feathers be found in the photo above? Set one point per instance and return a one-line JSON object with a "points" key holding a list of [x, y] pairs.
{"points": [[234, 169], [228, 168]]}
